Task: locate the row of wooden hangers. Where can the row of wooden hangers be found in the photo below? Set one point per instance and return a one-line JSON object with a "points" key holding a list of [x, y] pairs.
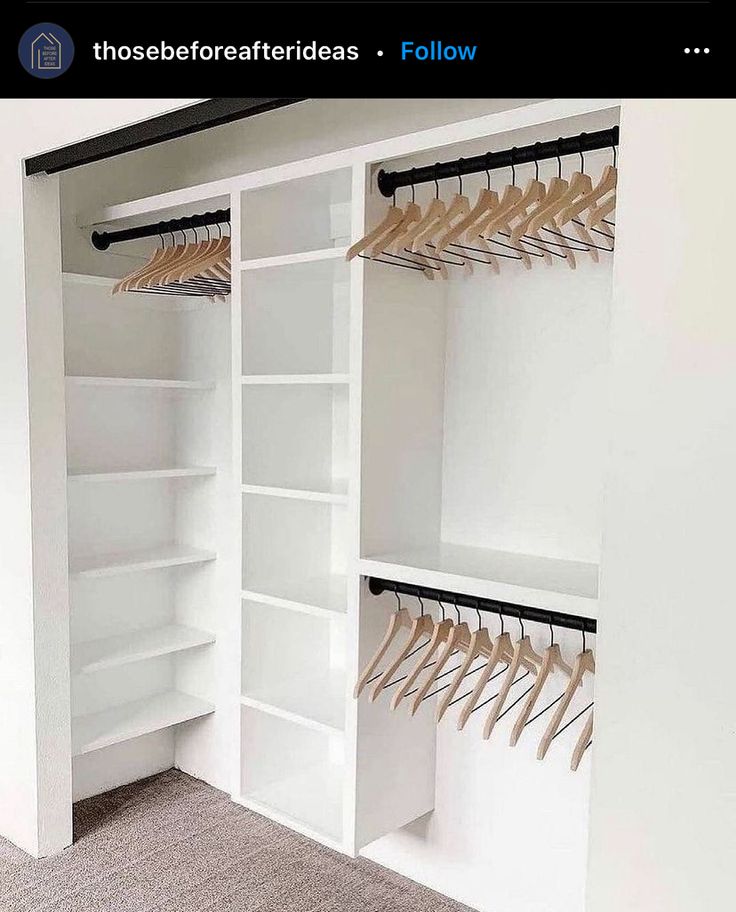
{"points": [[431, 644], [525, 225], [198, 268]]}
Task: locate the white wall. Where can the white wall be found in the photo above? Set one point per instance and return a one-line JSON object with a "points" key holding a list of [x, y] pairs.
{"points": [[34, 810], [663, 824]]}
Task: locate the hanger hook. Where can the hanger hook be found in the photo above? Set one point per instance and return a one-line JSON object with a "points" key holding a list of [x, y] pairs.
{"points": [[559, 160], [580, 152], [521, 624], [613, 149], [207, 229], [398, 597], [442, 608], [536, 161], [421, 603], [393, 198], [488, 171], [582, 631], [503, 623], [412, 185], [551, 632], [477, 611], [457, 610], [436, 182], [459, 175], [513, 166]]}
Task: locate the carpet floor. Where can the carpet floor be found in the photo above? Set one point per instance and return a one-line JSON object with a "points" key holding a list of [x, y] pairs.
{"points": [[174, 844]]}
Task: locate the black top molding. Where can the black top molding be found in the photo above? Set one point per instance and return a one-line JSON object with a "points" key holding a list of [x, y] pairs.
{"points": [[201, 116]]}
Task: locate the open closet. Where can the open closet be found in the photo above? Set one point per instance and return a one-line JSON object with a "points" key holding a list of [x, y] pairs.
{"points": [[275, 442]]}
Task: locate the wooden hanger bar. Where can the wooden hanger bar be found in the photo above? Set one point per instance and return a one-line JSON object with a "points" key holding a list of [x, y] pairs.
{"points": [[390, 181], [101, 240], [527, 613]]}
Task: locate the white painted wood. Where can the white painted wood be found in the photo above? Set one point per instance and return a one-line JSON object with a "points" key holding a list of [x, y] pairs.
{"points": [[141, 382], [336, 496], [131, 720], [296, 823], [123, 649], [321, 597], [317, 701], [295, 379], [132, 562], [78, 475], [292, 259], [525, 579]]}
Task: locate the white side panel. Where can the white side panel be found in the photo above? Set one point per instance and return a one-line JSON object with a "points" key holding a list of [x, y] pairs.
{"points": [[122, 763], [663, 817]]}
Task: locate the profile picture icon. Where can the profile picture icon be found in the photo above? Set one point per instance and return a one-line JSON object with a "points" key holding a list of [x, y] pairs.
{"points": [[46, 50]]}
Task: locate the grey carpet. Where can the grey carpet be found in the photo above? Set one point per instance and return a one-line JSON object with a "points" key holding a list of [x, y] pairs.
{"points": [[174, 844]]}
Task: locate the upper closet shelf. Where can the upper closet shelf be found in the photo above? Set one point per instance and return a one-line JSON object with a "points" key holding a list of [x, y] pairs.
{"points": [[322, 596], [134, 561], [131, 720], [148, 383], [288, 259], [294, 379], [79, 475], [543, 582], [136, 646]]}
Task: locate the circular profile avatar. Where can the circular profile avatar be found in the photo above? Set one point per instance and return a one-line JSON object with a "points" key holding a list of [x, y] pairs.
{"points": [[46, 50]]}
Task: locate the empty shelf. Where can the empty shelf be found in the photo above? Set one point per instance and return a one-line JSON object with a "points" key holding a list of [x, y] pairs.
{"points": [[131, 720], [133, 561], [140, 474], [294, 379], [524, 579], [135, 646], [309, 802], [309, 256], [142, 382], [317, 701], [324, 596], [338, 495]]}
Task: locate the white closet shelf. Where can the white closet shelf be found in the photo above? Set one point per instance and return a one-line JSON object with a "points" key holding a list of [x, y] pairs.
{"points": [[140, 474], [132, 561], [308, 256], [544, 582], [148, 383], [315, 701], [322, 596], [135, 646], [94, 731], [309, 802], [294, 379], [338, 494]]}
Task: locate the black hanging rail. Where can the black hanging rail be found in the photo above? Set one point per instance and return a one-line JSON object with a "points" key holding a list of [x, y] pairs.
{"points": [[508, 609], [102, 239], [390, 181]]}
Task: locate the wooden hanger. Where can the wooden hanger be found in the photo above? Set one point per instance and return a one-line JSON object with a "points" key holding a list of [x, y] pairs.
{"points": [[607, 182], [459, 638], [552, 661], [390, 220], [480, 644], [160, 257], [459, 207], [181, 253], [596, 216], [557, 186], [583, 741], [487, 202], [584, 663], [421, 626], [522, 650], [578, 185], [440, 635], [501, 652], [209, 254], [396, 236], [400, 619]]}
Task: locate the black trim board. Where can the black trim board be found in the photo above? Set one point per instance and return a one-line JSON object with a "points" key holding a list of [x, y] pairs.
{"points": [[191, 119]]}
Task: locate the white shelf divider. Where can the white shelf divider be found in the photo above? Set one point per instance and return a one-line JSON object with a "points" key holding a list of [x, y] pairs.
{"points": [[131, 720], [308, 256], [294, 379], [133, 561], [523, 579], [322, 596], [142, 382], [94, 475], [336, 496], [136, 646], [316, 702]]}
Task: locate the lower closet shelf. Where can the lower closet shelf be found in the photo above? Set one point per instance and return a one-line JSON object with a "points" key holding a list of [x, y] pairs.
{"points": [[309, 802], [316, 702], [325, 595], [135, 646], [131, 720], [132, 561]]}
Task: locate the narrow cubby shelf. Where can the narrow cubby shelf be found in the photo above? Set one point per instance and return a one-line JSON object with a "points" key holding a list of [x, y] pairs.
{"points": [[103, 475], [294, 379], [288, 259], [314, 700], [122, 649], [524, 579], [323, 596], [133, 561], [141, 382], [94, 731], [338, 495]]}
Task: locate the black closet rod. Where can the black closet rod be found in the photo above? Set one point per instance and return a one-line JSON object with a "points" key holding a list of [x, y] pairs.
{"points": [[390, 181], [102, 239], [538, 615]]}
